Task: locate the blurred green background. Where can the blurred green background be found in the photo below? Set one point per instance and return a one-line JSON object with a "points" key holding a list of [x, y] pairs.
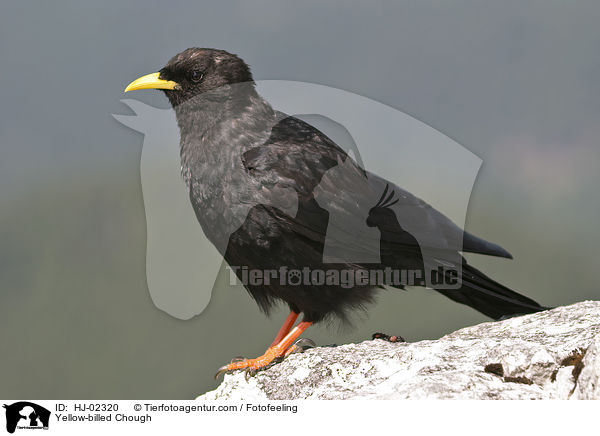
{"points": [[516, 83]]}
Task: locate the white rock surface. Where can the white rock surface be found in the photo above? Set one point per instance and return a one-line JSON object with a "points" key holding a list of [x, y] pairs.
{"points": [[588, 383], [539, 355]]}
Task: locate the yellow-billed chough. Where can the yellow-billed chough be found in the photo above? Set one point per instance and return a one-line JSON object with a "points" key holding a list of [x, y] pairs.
{"points": [[252, 175]]}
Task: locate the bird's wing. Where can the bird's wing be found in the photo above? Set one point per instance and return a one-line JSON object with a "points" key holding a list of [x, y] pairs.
{"points": [[296, 154], [300, 157]]}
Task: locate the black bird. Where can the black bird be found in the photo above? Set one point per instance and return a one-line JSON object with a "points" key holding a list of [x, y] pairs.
{"points": [[252, 172]]}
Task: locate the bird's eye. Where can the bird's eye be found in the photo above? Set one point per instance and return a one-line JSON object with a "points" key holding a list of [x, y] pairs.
{"points": [[197, 76]]}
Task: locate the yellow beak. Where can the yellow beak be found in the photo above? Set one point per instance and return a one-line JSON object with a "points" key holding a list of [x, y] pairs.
{"points": [[150, 81]]}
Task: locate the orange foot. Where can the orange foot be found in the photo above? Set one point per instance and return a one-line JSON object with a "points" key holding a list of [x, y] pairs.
{"points": [[281, 348]]}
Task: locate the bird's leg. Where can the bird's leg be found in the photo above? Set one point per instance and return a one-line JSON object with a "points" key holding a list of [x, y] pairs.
{"points": [[274, 352], [285, 328]]}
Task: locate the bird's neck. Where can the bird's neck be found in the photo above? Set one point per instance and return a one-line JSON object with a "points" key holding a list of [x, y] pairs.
{"points": [[216, 130], [205, 118]]}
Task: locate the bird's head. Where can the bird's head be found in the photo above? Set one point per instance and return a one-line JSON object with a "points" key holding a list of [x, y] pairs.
{"points": [[194, 72]]}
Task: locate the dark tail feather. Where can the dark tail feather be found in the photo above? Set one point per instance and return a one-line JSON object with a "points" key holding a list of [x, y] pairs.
{"points": [[489, 297]]}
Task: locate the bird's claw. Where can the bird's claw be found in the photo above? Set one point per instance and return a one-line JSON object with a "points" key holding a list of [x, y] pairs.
{"points": [[250, 371], [300, 346], [388, 338], [225, 368], [222, 370]]}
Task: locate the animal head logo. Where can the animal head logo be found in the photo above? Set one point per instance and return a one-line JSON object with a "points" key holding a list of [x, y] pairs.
{"points": [[382, 211], [26, 415], [181, 262]]}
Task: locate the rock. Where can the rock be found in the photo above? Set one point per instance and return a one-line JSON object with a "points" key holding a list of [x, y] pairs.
{"points": [[588, 382], [548, 355]]}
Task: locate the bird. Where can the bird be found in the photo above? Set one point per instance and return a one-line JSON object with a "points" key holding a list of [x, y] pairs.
{"points": [[253, 175]]}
